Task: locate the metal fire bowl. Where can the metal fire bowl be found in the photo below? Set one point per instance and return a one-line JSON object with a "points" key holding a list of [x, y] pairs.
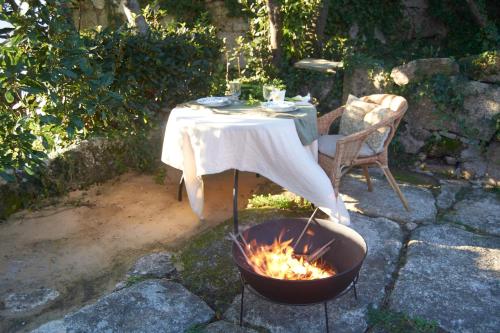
{"points": [[346, 256]]}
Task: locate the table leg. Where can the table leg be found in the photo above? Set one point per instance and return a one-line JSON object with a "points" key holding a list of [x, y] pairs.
{"points": [[235, 202], [179, 190]]}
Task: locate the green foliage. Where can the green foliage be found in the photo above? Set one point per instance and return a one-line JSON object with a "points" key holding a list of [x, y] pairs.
{"points": [[481, 65], [397, 322], [279, 201], [58, 86], [464, 35]]}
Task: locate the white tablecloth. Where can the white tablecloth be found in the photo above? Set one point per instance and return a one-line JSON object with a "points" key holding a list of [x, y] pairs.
{"points": [[199, 142]]}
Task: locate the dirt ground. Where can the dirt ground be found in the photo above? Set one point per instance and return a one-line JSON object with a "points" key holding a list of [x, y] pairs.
{"points": [[83, 245]]}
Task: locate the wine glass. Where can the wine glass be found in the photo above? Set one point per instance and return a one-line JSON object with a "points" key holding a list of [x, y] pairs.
{"points": [[235, 89], [267, 91]]}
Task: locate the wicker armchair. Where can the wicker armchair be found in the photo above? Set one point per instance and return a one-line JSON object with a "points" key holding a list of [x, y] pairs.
{"points": [[346, 152]]}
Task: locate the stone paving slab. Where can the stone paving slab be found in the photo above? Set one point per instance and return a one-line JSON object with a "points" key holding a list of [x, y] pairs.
{"points": [[479, 210], [29, 301], [384, 239], [449, 191], [156, 265], [149, 306], [226, 327], [451, 276], [384, 202]]}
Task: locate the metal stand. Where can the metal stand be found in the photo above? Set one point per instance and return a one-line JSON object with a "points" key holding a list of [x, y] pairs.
{"points": [[325, 302]]}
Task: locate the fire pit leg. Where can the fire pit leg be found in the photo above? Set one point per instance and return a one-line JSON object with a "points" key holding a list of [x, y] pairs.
{"points": [[241, 304], [354, 287], [326, 318], [235, 202]]}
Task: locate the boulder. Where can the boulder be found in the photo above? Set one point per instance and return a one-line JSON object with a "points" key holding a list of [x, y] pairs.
{"points": [[384, 240], [480, 110], [479, 210], [473, 162], [384, 202], [411, 145], [475, 119], [450, 276], [149, 306], [418, 69], [156, 265], [448, 194], [421, 23], [363, 81]]}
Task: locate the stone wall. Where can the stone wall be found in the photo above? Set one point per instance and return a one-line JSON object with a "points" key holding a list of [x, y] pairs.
{"points": [[89, 14], [228, 27]]}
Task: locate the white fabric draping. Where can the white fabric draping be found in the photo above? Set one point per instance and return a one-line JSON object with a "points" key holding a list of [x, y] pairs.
{"points": [[199, 142]]}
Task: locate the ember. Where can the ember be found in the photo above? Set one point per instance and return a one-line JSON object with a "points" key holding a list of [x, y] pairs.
{"points": [[280, 261]]}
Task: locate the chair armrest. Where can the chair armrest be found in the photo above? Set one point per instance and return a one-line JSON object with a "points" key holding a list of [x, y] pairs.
{"points": [[326, 120]]}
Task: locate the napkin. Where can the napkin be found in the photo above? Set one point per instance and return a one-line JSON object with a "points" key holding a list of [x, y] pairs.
{"points": [[302, 100]]}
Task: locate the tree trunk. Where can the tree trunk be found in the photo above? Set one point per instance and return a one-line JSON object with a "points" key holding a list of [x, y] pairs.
{"points": [[275, 30], [132, 11], [321, 25], [476, 13]]}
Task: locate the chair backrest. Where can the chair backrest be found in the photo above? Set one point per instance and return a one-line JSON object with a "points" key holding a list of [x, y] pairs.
{"points": [[397, 104], [393, 102]]}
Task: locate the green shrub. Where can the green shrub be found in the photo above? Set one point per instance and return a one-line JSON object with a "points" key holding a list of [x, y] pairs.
{"points": [[58, 86]]}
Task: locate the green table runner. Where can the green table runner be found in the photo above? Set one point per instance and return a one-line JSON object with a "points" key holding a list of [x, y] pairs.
{"points": [[304, 117]]}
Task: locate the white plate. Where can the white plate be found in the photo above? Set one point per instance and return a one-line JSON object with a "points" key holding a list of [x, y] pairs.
{"points": [[279, 106], [213, 101]]}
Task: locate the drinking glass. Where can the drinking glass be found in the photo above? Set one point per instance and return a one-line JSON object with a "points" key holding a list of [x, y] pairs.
{"points": [[266, 91], [235, 89]]}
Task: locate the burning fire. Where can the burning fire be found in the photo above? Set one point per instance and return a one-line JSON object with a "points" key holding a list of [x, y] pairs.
{"points": [[279, 261]]}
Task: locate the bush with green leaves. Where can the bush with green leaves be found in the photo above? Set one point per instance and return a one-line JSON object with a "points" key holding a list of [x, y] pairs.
{"points": [[58, 86]]}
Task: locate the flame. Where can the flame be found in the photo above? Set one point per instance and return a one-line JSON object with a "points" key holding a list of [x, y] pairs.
{"points": [[279, 261]]}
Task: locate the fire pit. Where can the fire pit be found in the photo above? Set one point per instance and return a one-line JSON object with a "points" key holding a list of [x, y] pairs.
{"points": [[332, 251]]}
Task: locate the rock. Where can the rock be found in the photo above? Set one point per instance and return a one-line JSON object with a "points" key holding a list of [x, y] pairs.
{"points": [[480, 110], [421, 23], [475, 119], [226, 327], [30, 301], [156, 265], [418, 69], [450, 276], [473, 161], [363, 81], [449, 191], [479, 210], [149, 306], [384, 202], [319, 65], [493, 161], [483, 67], [410, 144], [384, 239], [379, 35], [450, 160], [354, 30]]}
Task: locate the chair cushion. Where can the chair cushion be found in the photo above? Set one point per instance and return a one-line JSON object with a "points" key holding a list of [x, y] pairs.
{"points": [[327, 145], [352, 118], [376, 140]]}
